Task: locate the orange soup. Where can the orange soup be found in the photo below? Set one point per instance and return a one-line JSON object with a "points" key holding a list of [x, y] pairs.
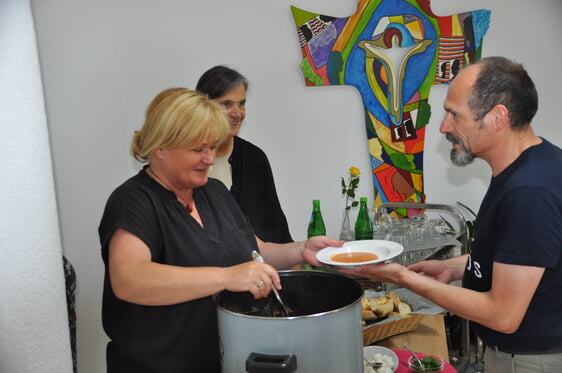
{"points": [[355, 257]]}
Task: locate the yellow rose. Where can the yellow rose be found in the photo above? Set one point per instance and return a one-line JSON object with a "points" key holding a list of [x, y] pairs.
{"points": [[354, 171]]}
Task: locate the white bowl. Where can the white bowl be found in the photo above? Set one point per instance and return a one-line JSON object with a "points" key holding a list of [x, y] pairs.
{"points": [[370, 351]]}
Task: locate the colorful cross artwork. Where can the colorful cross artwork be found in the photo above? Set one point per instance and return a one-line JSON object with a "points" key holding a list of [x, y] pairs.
{"points": [[393, 52]]}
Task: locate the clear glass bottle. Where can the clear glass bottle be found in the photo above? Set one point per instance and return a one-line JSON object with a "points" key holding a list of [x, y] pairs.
{"points": [[363, 224]]}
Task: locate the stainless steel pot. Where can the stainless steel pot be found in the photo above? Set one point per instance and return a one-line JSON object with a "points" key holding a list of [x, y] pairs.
{"points": [[322, 334]]}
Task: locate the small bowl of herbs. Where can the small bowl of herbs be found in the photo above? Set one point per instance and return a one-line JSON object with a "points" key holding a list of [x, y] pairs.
{"points": [[427, 364]]}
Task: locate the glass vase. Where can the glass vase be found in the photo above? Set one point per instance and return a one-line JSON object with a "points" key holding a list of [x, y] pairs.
{"points": [[346, 233]]}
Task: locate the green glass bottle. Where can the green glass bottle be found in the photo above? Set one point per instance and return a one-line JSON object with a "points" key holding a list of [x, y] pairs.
{"points": [[316, 225], [363, 224]]}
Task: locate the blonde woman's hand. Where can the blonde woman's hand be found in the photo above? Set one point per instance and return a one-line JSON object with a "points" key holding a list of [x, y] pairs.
{"points": [[252, 276]]}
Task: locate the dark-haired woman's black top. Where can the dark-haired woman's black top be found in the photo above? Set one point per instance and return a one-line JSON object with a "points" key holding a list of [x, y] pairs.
{"points": [[254, 190]]}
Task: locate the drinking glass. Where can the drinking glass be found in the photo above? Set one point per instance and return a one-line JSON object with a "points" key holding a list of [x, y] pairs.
{"points": [[382, 223]]}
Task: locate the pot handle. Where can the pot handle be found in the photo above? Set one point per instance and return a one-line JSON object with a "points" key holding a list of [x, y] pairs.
{"points": [[263, 363]]}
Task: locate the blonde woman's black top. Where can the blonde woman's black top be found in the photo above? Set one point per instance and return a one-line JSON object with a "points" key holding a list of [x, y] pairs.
{"points": [[181, 337]]}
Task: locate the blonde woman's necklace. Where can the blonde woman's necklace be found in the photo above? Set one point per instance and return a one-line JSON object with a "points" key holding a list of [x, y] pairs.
{"points": [[188, 204]]}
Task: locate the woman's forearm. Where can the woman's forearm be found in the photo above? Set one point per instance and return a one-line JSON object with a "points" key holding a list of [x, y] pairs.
{"points": [[282, 256], [155, 284]]}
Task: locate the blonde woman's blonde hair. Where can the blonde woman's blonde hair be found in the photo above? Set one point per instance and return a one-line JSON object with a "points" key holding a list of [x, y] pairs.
{"points": [[178, 117]]}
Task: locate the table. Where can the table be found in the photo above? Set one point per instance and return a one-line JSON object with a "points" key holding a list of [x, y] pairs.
{"points": [[429, 337]]}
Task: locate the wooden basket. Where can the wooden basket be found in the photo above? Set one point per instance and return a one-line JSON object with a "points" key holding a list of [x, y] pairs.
{"points": [[377, 332]]}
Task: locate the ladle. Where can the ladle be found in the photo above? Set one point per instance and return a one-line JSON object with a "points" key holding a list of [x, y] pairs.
{"points": [[257, 256]]}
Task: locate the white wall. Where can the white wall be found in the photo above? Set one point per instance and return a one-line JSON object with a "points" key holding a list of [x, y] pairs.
{"points": [[34, 333], [104, 60]]}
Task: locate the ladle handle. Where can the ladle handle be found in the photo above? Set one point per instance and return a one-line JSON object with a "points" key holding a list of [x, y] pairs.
{"points": [[257, 256]]}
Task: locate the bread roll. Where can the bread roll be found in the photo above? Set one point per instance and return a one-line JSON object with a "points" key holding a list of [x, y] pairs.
{"points": [[394, 298], [389, 305], [365, 305], [381, 306], [404, 308], [368, 315]]}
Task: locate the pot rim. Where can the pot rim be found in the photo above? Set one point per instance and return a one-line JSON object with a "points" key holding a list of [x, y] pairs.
{"points": [[281, 318]]}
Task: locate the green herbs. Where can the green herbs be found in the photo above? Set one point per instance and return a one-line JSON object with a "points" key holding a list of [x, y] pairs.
{"points": [[429, 362]]}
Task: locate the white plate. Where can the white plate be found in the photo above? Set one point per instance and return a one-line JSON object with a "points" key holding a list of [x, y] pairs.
{"points": [[385, 250], [370, 351]]}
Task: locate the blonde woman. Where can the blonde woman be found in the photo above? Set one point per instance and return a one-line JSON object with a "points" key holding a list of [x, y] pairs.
{"points": [[172, 237]]}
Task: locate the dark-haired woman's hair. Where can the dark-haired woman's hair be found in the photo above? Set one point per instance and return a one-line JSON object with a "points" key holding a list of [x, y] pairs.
{"points": [[218, 80]]}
